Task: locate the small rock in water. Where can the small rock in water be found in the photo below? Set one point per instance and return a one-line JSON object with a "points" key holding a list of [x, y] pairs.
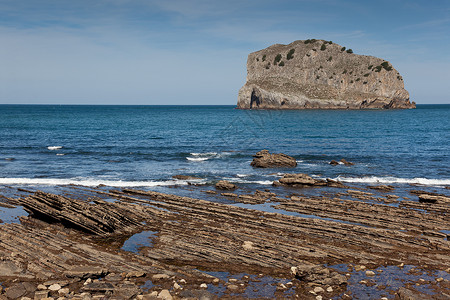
{"points": [[359, 268], [176, 286], [232, 287], [329, 289], [160, 276], [370, 273], [203, 286], [182, 281], [225, 185], [216, 280]]}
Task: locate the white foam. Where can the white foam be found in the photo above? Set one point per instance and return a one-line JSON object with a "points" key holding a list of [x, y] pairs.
{"points": [[88, 182], [204, 154], [299, 161], [387, 180], [197, 158], [238, 180], [54, 147], [60, 154], [242, 175]]}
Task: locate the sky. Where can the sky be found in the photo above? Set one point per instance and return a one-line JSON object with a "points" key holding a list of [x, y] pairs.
{"points": [[182, 52]]}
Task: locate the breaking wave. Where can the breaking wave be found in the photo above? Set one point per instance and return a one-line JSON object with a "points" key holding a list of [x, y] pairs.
{"points": [[388, 180], [88, 182]]}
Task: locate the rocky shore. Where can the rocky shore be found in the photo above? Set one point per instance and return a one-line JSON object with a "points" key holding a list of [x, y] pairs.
{"points": [[344, 243]]}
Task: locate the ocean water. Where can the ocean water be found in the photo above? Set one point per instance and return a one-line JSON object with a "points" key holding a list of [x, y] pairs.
{"points": [[144, 146]]}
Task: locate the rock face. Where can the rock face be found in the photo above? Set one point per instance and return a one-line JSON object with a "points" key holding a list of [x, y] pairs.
{"points": [[263, 159], [316, 74]]}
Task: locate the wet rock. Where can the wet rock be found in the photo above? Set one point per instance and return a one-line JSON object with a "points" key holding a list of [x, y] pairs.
{"points": [[165, 295], [225, 185], [98, 287], [318, 274], [263, 159], [370, 273], [232, 287], [334, 163], [232, 195], [84, 272], [318, 289], [385, 188], [341, 162], [297, 179], [185, 177], [203, 286], [427, 198], [335, 183]]}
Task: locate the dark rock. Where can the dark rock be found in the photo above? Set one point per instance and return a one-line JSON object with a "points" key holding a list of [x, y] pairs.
{"points": [[341, 162], [225, 185], [98, 287], [347, 163], [426, 198], [185, 177], [333, 163], [386, 188], [263, 159], [196, 294]]}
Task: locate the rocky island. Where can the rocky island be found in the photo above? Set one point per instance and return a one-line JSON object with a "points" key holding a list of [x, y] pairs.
{"points": [[319, 74]]}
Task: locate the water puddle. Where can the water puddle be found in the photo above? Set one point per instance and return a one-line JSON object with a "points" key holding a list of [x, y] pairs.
{"points": [[138, 240], [260, 287], [11, 215], [390, 278]]}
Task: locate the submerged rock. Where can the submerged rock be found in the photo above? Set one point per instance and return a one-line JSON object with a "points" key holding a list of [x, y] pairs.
{"points": [[317, 74], [263, 159]]}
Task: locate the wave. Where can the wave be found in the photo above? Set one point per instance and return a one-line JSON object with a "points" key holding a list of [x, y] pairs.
{"points": [[88, 182], [204, 154], [54, 147], [387, 180], [238, 180], [197, 158]]}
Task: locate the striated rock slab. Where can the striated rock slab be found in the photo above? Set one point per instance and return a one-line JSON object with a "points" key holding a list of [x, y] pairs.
{"points": [[304, 180], [318, 74], [263, 159], [99, 218]]}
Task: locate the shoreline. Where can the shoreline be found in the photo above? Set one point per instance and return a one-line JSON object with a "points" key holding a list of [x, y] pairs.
{"points": [[243, 244]]}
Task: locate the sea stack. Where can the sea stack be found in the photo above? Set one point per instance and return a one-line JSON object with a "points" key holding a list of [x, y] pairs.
{"points": [[319, 74]]}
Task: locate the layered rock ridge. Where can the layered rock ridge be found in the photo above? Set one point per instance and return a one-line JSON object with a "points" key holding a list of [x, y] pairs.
{"points": [[318, 74]]}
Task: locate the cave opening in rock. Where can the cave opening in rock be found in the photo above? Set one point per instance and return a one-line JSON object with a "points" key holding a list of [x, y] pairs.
{"points": [[254, 102]]}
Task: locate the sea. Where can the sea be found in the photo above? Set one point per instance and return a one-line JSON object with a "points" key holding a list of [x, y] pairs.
{"points": [[144, 146]]}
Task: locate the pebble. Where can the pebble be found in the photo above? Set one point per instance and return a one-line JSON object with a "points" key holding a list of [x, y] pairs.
{"points": [[216, 280], [182, 281], [318, 289], [203, 286], [289, 284], [329, 289], [318, 297], [160, 276], [359, 268], [165, 295], [153, 294], [232, 287], [176, 286], [439, 279], [232, 280], [89, 280], [54, 287], [370, 273], [63, 292], [384, 298], [41, 287]]}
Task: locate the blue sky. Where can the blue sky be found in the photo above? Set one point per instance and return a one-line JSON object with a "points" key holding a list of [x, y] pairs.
{"points": [[195, 52]]}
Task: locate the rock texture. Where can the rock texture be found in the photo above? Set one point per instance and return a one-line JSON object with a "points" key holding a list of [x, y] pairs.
{"points": [[263, 159], [317, 74]]}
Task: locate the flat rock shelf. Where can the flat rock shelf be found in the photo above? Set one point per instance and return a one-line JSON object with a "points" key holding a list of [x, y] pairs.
{"points": [[350, 243]]}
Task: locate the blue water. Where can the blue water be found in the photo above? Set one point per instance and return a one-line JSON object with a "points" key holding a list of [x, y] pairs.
{"points": [[147, 145]]}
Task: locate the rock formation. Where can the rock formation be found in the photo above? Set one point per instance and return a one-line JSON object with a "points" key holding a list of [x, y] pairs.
{"points": [[263, 159], [317, 74]]}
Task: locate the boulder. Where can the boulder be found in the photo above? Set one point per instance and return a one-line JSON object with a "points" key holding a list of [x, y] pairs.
{"points": [[427, 198], [263, 159], [318, 274], [225, 185], [84, 272]]}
